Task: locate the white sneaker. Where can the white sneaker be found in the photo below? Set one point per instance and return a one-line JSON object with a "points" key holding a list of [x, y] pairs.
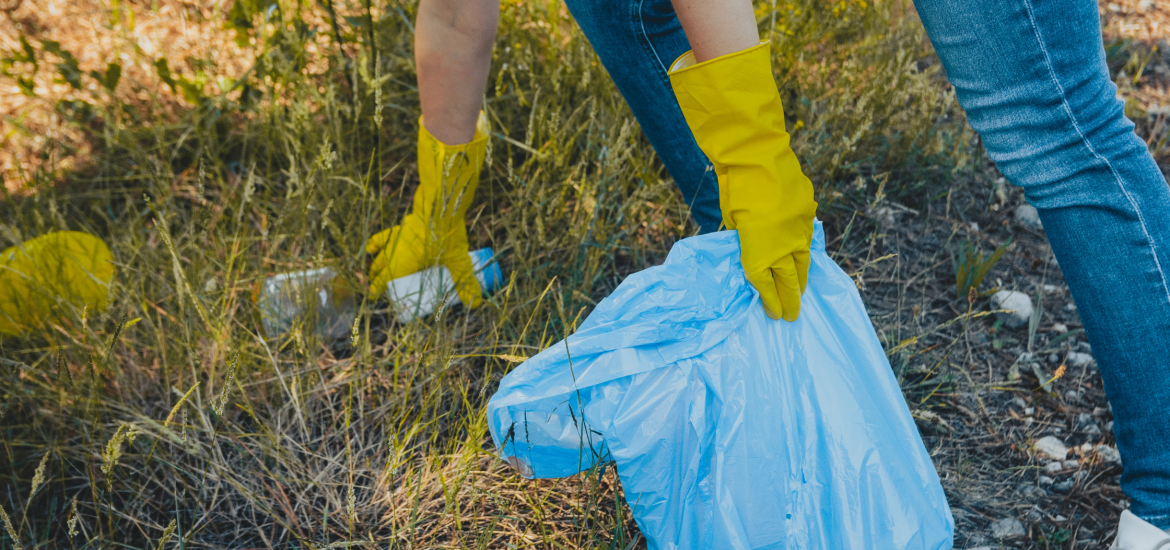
{"points": [[1134, 533]]}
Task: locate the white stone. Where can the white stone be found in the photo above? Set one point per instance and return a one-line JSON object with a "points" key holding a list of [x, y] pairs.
{"points": [[1018, 307], [1050, 289], [1070, 307], [1007, 528], [1030, 410], [1108, 454], [1046, 481], [1053, 467], [1078, 359], [1060, 328], [1027, 216], [1071, 464], [1146, 5], [1052, 447]]}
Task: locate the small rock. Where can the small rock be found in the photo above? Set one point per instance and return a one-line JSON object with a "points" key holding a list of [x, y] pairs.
{"points": [[974, 227], [1071, 464], [1050, 289], [1108, 454], [1084, 419], [1063, 486], [1046, 481], [1060, 328], [1053, 467], [1060, 518], [1035, 514], [1109, 426], [1007, 528], [1027, 216], [1081, 475], [1018, 305], [1099, 411], [1086, 448], [1146, 5], [1053, 358], [1072, 395], [1078, 359], [1091, 429], [1086, 347], [1019, 403], [1070, 307], [1115, 8], [1030, 411], [1052, 447]]}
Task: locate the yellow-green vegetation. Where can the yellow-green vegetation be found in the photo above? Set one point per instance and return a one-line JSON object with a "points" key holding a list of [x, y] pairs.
{"points": [[168, 420]]}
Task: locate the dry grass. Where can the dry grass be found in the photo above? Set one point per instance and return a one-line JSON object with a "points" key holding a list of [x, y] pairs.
{"points": [[171, 406]]}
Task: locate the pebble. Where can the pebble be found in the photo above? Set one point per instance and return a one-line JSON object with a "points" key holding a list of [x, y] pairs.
{"points": [[1052, 447], [1109, 426], [1019, 403], [1060, 328], [1108, 454], [1050, 289], [1086, 448], [1060, 518], [1070, 307], [1063, 486], [1030, 411], [1027, 216], [1053, 467], [1046, 481], [1007, 528], [1071, 464], [1084, 419], [1078, 359], [1053, 358], [1091, 429], [1018, 305], [1146, 5]]}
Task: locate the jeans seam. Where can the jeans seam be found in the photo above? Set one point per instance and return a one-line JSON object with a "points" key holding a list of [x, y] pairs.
{"points": [[646, 45], [1088, 145]]}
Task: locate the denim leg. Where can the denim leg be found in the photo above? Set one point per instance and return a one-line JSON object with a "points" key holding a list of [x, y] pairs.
{"points": [[636, 41], [1031, 75]]}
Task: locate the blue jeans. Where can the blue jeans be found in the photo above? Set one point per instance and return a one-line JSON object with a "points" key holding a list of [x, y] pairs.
{"points": [[1031, 75]]}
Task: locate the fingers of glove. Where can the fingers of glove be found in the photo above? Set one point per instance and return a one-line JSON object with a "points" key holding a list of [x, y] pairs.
{"points": [[378, 241], [802, 260], [788, 286], [764, 284], [463, 272]]}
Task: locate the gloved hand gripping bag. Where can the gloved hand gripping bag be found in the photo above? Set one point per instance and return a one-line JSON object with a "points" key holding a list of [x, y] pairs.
{"points": [[729, 429]]}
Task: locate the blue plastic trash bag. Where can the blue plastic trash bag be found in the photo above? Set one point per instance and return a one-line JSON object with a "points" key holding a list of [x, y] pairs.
{"points": [[730, 430]]}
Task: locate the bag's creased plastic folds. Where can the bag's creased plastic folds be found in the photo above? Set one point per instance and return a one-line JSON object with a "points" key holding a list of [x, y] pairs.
{"points": [[729, 429]]}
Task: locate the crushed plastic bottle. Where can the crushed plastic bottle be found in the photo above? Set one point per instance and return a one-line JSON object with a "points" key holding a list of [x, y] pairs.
{"points": [[316, 297], [422, 294]]}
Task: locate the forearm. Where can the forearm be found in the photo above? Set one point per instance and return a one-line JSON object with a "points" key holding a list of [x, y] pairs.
{"points": [[717, 27], [453, 52]]}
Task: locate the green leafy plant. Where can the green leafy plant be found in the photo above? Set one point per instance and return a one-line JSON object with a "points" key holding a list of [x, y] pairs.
{"points": [[972, 265]]}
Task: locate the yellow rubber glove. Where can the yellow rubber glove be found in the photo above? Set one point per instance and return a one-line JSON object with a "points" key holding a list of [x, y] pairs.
{"points": [[435, 231], [733, 108], [73, 266]]}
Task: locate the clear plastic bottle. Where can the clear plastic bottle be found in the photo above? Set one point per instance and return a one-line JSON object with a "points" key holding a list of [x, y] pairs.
{"points": [[316, 297], [421, 294]]}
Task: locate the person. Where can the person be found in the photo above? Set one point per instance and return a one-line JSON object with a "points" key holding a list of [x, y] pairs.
{"points": [[1032, 78]]}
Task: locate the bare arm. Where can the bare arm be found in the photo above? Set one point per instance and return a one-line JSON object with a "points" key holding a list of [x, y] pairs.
{"points": [[717, 27], [453, 52]]}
